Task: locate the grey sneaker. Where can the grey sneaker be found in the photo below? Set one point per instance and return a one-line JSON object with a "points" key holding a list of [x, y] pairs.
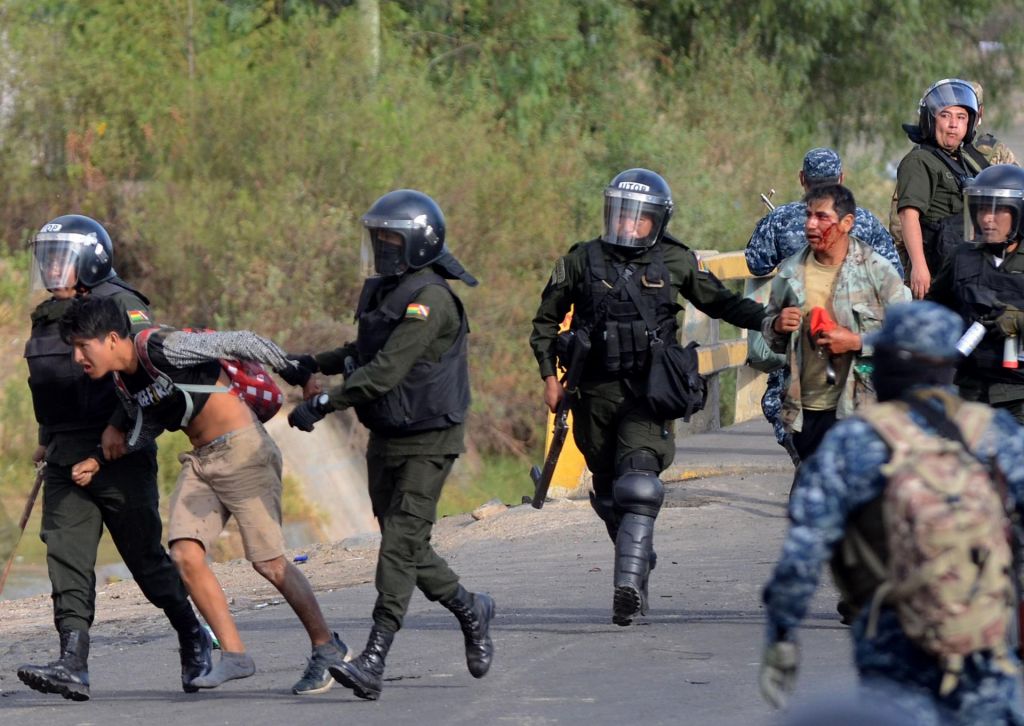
{"points": [[316, 678]]}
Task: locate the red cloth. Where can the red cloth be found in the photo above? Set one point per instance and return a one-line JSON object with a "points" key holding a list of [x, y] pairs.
{"points": [[821, 322]]}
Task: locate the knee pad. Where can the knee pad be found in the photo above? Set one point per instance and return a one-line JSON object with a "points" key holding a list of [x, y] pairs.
{"points": [[639, 492]]}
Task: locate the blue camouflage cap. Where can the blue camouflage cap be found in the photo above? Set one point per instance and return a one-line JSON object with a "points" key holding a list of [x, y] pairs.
{"points": [[920, 327], [822, 163]]}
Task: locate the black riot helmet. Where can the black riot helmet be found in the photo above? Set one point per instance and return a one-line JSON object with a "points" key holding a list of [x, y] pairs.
{"points": [[943, 94], [71, 250], [406, 231], [994, 205], [637, 207]]}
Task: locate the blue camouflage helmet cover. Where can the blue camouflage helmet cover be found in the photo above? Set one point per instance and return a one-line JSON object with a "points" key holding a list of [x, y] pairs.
{"points": [[921, 327], [821, 164]]}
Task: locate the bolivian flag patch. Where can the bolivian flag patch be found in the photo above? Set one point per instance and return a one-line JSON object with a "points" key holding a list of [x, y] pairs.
{"points": [[137, 317], [417, 311]]}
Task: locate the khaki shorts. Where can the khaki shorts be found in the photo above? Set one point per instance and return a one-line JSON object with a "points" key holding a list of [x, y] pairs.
{"points": [[237, 474]]}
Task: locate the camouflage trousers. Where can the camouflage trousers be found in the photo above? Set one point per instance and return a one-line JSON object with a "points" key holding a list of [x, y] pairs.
{"points": [[771, 403], [893, 668]]}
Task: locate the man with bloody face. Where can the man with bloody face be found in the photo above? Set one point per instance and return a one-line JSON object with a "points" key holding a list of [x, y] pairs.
{"points": [[824, 299]]}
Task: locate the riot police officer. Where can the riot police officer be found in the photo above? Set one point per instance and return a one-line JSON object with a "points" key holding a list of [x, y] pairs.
{"points": [[983, 282], [79, 417], [624, 286], [931, 177], [407, 378]]}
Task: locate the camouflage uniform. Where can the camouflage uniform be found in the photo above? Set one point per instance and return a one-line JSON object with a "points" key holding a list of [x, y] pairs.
{"points": [[842, 477], [780, 234]]}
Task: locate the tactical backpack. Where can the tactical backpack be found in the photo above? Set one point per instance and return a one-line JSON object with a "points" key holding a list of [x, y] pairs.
{"points": [[249, 381], [949, 566]]}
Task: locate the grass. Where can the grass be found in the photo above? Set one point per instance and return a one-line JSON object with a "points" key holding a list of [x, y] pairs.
{"points": [[501, 477]]}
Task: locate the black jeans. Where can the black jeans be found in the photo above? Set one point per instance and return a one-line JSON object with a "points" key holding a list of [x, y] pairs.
{"points": [[816, 425], [123, 497]]}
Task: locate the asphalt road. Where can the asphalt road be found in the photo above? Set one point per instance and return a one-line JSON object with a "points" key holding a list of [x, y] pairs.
{"points": [[559, 659]]}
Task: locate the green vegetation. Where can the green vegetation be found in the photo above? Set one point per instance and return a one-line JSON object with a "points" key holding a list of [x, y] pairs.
{"points": [[230, 145]]}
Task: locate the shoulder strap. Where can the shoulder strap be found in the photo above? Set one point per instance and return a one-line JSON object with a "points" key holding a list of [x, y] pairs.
{"points": [[960, 172], [187, 389], [598, 267], [634, 295], [975, 158]]}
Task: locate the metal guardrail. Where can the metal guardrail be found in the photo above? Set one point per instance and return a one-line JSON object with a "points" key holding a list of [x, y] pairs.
{"points": [[716, 355]]}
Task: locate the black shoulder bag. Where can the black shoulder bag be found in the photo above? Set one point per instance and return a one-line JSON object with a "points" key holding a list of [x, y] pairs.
{"points": [[675, 387]]}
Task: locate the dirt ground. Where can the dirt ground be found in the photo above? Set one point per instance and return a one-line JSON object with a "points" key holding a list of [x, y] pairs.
{"points": [[121, 609]]}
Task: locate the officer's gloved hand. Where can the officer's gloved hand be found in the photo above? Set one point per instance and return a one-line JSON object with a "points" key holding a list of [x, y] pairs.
{"points": [[777, 679], [303, 366], [1010, 322], [307, 413]]}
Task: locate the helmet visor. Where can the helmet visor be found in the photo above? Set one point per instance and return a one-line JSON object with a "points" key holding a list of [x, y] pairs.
{"points": [[992, 216], [633, 219], [55, 261], [383, 252], [950, 92]]}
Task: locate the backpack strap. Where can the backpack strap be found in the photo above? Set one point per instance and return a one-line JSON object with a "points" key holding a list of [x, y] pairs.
{"points": [[187, 389]]}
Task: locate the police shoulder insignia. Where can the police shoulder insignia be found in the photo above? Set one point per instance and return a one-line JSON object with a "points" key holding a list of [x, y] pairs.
{"points": [[558, 274], [137, 317], [417, 311]]}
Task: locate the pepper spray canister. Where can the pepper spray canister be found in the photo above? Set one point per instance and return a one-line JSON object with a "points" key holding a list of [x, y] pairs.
{"points": [[970, 339]]}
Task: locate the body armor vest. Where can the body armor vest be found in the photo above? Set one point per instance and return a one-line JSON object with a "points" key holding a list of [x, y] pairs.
{"points": [[983, 289], [433, 395], [64, 397], [625, 315]]}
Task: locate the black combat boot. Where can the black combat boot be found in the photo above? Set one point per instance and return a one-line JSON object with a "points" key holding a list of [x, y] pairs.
{"points": [[633, 548], [364, 675], [196, 650], [474, 611], [69, 674]]}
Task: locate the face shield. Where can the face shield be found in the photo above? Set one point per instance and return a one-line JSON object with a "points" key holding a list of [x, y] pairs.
{"points": [[55, 258], [383, 252], [633, 219], [951, 92], [992, 216]]}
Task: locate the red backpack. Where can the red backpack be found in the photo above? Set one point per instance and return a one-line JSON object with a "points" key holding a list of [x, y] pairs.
{"points": [[249, 380]]}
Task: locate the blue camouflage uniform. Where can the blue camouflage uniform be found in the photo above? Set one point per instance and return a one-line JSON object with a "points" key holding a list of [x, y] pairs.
{"points": [[843, 476], [780, 234]]}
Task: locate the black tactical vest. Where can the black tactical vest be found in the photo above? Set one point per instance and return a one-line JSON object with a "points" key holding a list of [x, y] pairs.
{"points": [[618, 313], [433, 395], [982, 289], [64, 398]]}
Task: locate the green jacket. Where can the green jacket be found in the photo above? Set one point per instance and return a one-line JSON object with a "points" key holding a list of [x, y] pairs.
{"points": [[415, 337], [926, 183], [689, 279]]}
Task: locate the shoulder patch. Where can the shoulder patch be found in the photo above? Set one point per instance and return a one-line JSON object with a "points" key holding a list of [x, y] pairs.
{"points": [[137, 317], [701, 267], [558, 274], [417, 311]]}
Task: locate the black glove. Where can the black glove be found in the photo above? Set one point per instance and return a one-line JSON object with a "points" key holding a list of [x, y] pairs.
{"points": [[303, 366], [309, 412]]}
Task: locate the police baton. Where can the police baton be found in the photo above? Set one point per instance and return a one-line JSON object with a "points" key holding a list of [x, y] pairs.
{"points": [[26, 513]]}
